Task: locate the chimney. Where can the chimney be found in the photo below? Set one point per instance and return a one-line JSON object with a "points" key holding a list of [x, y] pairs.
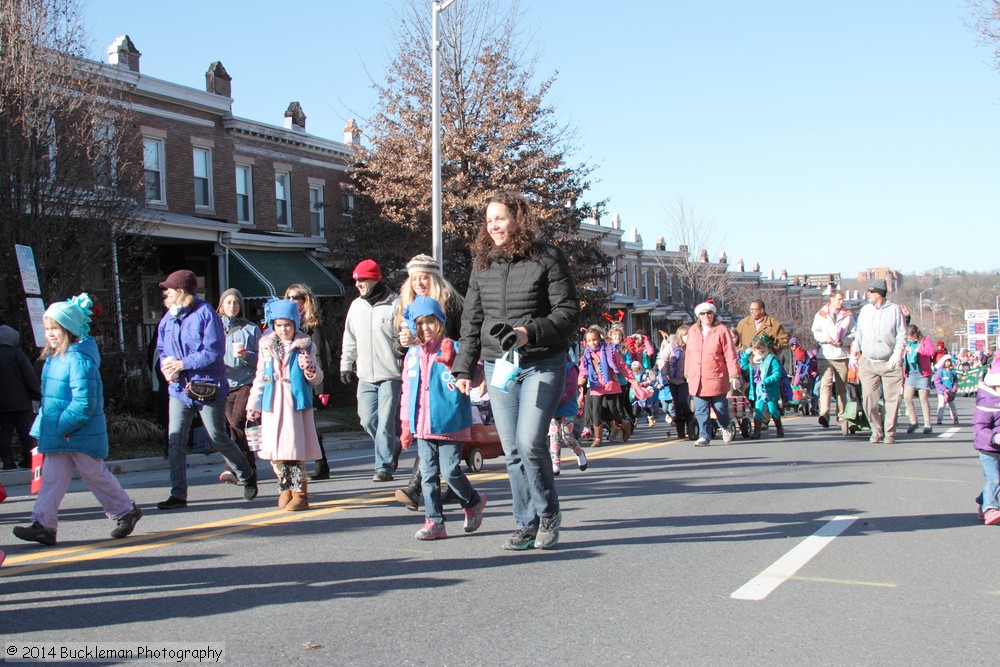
{"points": [[218, 81], [122, 53], [661, 245], [740, 266], [723, 259], [295, 118], [756, 267], [703, 256], [352, 133], [683, 249], [616, 221]]}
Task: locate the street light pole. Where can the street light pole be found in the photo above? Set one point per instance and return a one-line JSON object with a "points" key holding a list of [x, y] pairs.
{"points": [[921, 297], [436, 235]]}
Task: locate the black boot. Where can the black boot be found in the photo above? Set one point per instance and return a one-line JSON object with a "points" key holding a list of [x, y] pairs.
{"points": [[410, 495], [681, 427], [779, 430], [322, 468], [755, 434]]}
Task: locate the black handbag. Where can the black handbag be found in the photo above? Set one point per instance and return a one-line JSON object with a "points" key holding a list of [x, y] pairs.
{"points": [[206, 392]]}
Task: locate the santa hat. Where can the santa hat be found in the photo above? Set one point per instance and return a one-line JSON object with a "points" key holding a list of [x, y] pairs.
{"points": [[947, 357], [993, 376], [706, 307]]}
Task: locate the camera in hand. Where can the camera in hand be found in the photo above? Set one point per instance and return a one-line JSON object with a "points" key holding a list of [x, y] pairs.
{"points": [[504, 334]]}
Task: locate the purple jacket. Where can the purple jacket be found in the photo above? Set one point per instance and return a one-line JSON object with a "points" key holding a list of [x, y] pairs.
{"points": [[986, 419], [195, 337]]}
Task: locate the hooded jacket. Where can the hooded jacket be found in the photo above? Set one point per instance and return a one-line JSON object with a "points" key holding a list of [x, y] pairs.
{"points": [[194, 335], [986, 419], [20, 381], [536, 293], [881, 332], [710, 361], [71, 418]]}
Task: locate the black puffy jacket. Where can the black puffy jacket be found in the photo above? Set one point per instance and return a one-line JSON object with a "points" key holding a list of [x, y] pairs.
{"points": [[536, 293]]}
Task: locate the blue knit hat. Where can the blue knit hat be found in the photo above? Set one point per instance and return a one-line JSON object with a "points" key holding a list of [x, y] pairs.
{"points": [[281, 309], [73, 314], [421, 307]]}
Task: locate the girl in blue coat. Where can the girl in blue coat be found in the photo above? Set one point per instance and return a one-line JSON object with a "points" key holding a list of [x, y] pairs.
{"points": [[70, 426], [765, 374]]}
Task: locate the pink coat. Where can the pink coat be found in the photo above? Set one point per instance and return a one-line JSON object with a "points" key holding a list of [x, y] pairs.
{"points": [[287, 434], [710, 361]]}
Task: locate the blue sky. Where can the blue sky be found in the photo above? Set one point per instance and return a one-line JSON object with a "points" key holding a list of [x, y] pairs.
{"points": [[810, 136]]}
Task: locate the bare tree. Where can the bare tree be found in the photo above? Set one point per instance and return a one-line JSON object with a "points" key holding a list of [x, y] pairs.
{"points": [[697, 277], [986, 25], [497, 133], [68, 163]]}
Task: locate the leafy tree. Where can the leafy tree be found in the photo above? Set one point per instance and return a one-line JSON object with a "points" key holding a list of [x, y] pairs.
{"points": [[68, 165], [498, 132]]}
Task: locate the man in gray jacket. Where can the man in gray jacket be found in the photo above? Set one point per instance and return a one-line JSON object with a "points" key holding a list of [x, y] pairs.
{"points": [[367, 351], [879, 340]]}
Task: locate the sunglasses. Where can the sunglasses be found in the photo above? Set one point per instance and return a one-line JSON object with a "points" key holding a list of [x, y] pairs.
{"points": [[296, 297]]}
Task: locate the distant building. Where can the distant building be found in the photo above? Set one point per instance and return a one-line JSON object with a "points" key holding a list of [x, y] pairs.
{"points": [[893, 279]]}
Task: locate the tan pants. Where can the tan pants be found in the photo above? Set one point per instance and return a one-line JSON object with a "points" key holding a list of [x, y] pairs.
{"points": [[925, 404], [878, 381], [832, 380]]}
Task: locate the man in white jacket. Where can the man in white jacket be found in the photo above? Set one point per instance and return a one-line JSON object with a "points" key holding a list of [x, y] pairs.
{"points": [[879, 340], [833, 330], [367, 352]]}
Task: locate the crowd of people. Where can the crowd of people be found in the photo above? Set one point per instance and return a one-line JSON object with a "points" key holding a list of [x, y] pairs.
{"points": [[419, 356]]}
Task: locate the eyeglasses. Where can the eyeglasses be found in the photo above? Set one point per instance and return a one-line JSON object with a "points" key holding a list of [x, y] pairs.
{"points": [[705, 313], [296, 297]]}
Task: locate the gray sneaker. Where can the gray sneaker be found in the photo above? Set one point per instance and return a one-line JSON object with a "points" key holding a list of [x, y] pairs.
{"points": [[548, 531], [728, 434], [520, 540], [126, 523]]}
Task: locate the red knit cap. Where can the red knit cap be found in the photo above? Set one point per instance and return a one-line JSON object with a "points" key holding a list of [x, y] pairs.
{"points": [[368, 269]]}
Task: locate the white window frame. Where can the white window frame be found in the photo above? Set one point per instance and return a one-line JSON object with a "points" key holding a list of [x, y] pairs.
{"points": [[197, 180], [317, 204], [286, 178], [248, 168], [50, 140], [160, 168], [347, 204], [656, 284]]}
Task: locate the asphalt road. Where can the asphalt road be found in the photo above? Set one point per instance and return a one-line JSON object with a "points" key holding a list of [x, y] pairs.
{"points": [[852, 553]]}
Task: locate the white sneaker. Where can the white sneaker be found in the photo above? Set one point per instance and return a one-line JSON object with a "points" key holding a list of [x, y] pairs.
{"points": [[728, 434], [702, 442]]}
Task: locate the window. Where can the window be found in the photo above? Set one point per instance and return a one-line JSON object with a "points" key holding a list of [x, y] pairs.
{"points": [[203, 177], [282, 197], [347, 204], [152, 158], [656, 283], [244, 193], [316, 221], [48, 147], [105, 172], [645, 285]]}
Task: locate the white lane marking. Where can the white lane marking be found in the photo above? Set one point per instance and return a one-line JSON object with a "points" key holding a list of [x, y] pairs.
{"points": [[950, 432], [780, 570]]}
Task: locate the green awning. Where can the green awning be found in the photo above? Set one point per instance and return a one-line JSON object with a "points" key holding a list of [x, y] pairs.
{"points": [[259, 274]]}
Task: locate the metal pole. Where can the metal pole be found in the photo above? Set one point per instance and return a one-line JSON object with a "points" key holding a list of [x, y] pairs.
{"points": [[437, 242]]}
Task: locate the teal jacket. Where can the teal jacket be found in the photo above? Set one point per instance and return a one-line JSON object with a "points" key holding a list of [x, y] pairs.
{"points": [[71, 418], [765, 378]]}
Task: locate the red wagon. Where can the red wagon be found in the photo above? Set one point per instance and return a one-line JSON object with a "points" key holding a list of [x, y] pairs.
{"points": [[485, 443]]}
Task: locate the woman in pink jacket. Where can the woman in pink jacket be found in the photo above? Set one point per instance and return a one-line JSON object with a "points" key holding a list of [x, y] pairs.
{"points": [[712, 369]]}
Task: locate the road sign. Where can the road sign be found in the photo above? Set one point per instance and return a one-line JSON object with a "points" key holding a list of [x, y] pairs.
{"points": [[29, 276]]}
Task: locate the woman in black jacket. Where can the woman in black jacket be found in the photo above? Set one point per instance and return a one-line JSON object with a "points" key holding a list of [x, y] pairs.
{"points": [[521, 295]]}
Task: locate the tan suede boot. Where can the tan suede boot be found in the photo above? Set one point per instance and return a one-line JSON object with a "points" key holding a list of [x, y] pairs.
{"points": [[300, 499], [284, 497]]}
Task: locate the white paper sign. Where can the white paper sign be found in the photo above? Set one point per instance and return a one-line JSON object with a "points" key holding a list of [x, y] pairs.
{"points": [[36, 309], [29, 275]]}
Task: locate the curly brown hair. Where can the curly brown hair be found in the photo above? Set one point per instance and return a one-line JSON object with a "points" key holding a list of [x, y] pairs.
{"points": [[525, 236]]}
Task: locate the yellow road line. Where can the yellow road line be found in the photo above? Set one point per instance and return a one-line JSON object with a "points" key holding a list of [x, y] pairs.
{"points": [[846, 582], [49, 558]]}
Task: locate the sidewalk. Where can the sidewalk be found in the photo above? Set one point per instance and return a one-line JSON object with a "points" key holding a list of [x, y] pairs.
{"points": [[336, 436]]}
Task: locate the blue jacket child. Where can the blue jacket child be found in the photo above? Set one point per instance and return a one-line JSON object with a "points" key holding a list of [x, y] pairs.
{"points": [[764, 387], [438, 416]]}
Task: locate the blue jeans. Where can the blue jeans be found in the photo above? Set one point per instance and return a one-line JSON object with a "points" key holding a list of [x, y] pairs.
{"points": [[701, 407], [522, 418], [991, 473], [443, 457], [213, 416], [378, 410]]}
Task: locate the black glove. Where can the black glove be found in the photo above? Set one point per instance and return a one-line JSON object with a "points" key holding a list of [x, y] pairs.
{"points": [[346, 377], [505, 335]]}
